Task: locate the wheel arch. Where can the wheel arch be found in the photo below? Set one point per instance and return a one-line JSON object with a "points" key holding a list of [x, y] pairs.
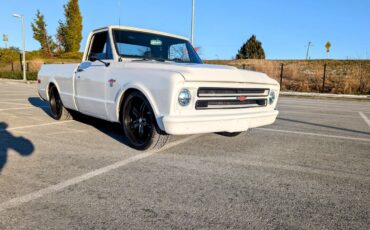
{"points": [[48, 86], [132, 88]]}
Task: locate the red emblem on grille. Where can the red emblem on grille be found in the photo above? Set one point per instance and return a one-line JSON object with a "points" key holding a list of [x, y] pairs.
{"points": [[242, 98]]}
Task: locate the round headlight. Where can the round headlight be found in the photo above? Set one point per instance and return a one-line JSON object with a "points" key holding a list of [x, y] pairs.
{"points": [[184, 97], [272, 97]]}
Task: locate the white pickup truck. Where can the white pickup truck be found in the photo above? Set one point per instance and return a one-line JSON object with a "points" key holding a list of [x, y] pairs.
{"points": [[156, 85]]}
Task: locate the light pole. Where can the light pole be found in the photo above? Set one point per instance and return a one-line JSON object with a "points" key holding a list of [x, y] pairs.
{"points": [[23, 46], [308, 49], [192, 22]]}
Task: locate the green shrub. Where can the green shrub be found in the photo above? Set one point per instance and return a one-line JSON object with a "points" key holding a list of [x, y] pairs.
{"points": [[8, 55], [31, 76], [71, 55], [36, 54]]}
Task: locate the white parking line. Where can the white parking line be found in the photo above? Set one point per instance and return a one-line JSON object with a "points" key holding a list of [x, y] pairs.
{"points": [[58, 187], [17, 94], [52, 134], [24, 108], [316, 134], [33, 126], [13, 103], [17, 91], [365, 118], [13, 99], [303, 169]]}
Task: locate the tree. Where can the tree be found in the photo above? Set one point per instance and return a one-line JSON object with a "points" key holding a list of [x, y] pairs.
{"points": [[69, 32], [252, 49], [41, 35], [61, 34]]}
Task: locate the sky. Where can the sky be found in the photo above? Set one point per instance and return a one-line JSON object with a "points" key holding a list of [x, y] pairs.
{"points": [[221, 26]]}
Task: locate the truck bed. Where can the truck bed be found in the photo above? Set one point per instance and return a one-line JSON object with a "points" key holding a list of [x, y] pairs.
{"points": [[61, 75]]}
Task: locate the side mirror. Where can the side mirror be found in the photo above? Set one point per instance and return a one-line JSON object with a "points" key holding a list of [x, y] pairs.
{"points": [[92, 57]]}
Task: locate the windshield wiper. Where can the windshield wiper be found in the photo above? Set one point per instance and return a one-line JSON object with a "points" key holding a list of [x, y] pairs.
{"points": [[150, 59]]}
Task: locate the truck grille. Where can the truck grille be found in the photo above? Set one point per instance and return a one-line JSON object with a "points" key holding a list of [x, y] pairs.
{"points": [[231, 98], [222, 92]]}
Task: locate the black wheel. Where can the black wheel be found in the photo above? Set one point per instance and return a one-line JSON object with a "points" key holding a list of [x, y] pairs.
{"points": [[139, 124], [58, 112], [226, 134]]}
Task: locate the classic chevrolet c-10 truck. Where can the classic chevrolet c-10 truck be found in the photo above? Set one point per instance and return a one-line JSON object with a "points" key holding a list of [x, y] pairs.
{"points": [[155, 85]]}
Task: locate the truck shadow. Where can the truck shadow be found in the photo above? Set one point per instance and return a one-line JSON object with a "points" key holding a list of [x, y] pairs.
{"points": [[113, 130], [110, 129], [21, 145], [37, 102]]}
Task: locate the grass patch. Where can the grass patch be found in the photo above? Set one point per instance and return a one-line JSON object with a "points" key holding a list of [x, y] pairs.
{"points": [[31, 76]]}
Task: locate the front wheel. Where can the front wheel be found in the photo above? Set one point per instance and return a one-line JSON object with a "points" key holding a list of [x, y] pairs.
{"points": [[139, 124]]}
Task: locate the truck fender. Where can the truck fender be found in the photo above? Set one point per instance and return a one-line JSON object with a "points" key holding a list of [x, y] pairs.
{"points": [[140, 88], [54, 82]]}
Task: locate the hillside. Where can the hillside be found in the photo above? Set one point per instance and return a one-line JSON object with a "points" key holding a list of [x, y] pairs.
{"points": [[342, 76]]}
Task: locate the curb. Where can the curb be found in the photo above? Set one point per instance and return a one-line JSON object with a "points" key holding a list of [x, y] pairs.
{"points": [[16, 81], [326, 95]]}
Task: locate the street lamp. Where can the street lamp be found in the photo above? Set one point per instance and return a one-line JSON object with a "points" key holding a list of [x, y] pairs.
{"points": [[23, 46], [192, 22]]}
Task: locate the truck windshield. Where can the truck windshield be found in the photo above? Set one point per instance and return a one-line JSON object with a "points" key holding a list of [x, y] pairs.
{"points": [[148, 46]]}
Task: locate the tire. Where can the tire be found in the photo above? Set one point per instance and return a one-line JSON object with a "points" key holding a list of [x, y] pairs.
{"points": [[226, 134], [139, 124], [57, 110]]}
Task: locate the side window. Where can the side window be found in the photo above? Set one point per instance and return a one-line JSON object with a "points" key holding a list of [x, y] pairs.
{"points": [[100, 46], [178, 52]]}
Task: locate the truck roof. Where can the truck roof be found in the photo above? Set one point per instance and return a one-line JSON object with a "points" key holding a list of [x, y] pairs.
{"points": [[141, 30]]}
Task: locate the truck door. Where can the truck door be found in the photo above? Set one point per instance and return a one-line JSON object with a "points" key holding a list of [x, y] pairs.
{"points": [[91, 78]]}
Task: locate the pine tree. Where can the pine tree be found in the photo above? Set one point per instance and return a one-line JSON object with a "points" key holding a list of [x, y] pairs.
{"points": [[61, 34], [69, 32], [41, 35], [252, 49]]}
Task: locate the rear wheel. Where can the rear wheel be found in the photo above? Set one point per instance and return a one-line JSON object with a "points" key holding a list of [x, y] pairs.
{"points": [[58, 111], [139, 124]]}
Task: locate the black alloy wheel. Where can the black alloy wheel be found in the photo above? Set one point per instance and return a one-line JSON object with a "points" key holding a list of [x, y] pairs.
{"points": [[55, 103], [139, 123], [58, 112]]}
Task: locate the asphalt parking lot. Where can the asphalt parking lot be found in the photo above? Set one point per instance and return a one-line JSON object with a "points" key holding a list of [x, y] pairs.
{"points": [[310, 170]]}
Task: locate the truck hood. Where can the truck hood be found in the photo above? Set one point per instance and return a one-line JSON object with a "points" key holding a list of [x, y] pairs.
{"points": [[210, 73]]}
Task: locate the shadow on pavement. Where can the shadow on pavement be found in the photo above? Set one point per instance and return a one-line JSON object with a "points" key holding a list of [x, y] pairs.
{"points": [[37, 102], [324, 126], [7, 141], [111, 129]]}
